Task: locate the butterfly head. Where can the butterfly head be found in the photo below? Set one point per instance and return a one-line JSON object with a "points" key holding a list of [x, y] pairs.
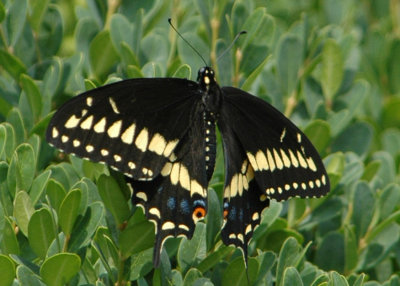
{"points": [[206, 77]]}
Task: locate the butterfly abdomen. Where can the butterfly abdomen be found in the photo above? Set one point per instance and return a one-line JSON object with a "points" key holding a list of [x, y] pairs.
{"points": [[210, 144]]}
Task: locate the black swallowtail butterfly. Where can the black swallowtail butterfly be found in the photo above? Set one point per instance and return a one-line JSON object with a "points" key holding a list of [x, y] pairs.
{"points": [[160, 132]]}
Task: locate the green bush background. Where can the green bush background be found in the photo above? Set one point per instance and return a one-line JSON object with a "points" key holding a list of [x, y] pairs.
{"points": [[332, 66]]}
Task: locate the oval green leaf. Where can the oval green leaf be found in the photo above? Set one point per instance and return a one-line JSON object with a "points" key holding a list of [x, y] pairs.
{"points": [[113, 198], [7, 272], [41, 231], [60, 269], [332, 68], [23, 210], [69, 210]]}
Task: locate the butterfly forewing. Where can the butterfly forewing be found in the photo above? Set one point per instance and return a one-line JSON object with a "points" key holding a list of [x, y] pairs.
{"points": [[133, 125], [285, 163]]}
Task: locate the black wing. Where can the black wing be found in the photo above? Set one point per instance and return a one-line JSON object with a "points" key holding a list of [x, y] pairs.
{"points": [[242, 204], [284, 162], [177, 198], [132, 125]]}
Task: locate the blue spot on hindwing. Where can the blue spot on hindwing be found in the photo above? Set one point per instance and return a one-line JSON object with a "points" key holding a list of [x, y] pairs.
{"points": [[185, 208], [171, 203], [232, 214], [199, 203]]}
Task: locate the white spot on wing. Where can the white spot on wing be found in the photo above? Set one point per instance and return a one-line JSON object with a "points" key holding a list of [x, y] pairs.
{"points": [[72, 122], [89, 148], [113, 105], [54, 132], [168, 225], [100, 126], [89, 101], [114, 130], [142, 140], [270, 160], [76, 143], [283, 135], [64, 138], [87, 123], [262, 162], [285, 159], [155, 212], [127, 136], [157, 144], [170, 147], [142, 196]]}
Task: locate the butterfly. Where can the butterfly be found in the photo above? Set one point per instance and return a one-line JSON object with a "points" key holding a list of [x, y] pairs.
{"points": [[161, 134]]}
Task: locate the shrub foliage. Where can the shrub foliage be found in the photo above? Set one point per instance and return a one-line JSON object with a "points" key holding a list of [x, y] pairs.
{"points": [[333, 67]]}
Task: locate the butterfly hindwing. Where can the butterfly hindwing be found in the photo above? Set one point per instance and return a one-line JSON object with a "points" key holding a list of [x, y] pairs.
{"points": [[132, 126], [177, 198], [285, 162], [242, 204]]}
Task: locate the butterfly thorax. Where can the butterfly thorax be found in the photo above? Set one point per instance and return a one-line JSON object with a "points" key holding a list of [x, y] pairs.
{"points": [[211, 98]]}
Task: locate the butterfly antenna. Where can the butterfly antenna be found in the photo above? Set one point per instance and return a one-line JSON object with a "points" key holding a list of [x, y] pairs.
{"points": [[231, 45], [179, 34]]}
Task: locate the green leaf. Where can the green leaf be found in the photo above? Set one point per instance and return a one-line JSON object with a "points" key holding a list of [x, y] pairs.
{"points": [[60, 269], [13, 65], [214, 218], [141, 264], [41, 231], [38, 186], [192, 251], [351, 247], [337, 280], [7, 272], [127, 55], [121, 31], [214, 258], [38, 9], [363, 208], [390, 113], [291, 277], [22, 169], [290, 255], [113, 198], [235, 273], [136, 238], [332, 68], [69, 210], [51, 31], [33, 94], [394, 67], [332, 246], [191, 276], [388, 200], [289, 62], [56, 193], [2, 12], [356, 138], [16, 20], [14, 117], [23, 210], [27, 277], [3, 140], [184, 71], [9, 243], [86, 226], [102, 55], [319, 133]]}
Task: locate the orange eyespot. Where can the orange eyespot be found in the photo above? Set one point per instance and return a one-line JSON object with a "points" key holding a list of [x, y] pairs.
{"points": [[225, 213], [198, 213]]}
